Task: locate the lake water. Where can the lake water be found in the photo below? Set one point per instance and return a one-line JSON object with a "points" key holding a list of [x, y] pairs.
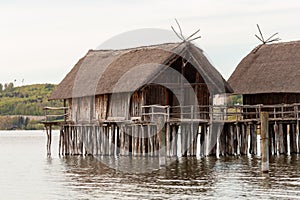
{"points": [[27, 173]]}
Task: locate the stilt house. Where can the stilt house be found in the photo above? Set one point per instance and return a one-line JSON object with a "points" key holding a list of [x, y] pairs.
{"points": [[135, 101], [115, 85], [269, 75]]}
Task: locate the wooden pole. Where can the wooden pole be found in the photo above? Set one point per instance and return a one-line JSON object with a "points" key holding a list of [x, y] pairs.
{"points": [[162, 142], [264, 119], [276, 131], [47, 132], [60, 140], [281, 143]]}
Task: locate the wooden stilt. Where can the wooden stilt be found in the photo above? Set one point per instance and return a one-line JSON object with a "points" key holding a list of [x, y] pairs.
{"points": [[49, 138], [245, 139], [265, 141], [167, 146], [238, 139], [60, 141], [143, 138], [281, 143], [231, 140], [162, 142], [293, 139], [205, 140], [288, 139]]}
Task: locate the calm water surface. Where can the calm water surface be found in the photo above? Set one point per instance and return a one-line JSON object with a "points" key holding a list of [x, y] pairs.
{"points": [[27, 173]]}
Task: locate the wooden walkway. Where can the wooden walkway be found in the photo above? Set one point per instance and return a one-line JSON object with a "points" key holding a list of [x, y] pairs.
{"points": [[187, 131]]}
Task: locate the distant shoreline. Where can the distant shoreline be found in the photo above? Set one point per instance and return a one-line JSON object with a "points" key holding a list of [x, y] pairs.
{"points": [[31, 117]]}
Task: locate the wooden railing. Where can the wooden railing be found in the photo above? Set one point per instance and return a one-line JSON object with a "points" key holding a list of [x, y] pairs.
{"points": [[211, 113], [54, 114], [235, 113]]}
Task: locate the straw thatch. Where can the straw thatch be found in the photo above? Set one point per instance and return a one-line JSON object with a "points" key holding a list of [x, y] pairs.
{"points": [[269, 68], [115, 71]]}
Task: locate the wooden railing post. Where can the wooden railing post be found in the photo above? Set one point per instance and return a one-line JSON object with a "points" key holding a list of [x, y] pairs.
{"points": [[168, 114], [192, 112], [152, 113]]}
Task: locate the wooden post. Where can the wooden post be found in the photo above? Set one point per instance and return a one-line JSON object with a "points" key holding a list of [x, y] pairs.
{"points": [[60, 141], [174, 140], [127, 141], [293, 138], [288, 139], [188, 139], [231, 151], [150, 143], [238, 139], [143, 138], [162, 142], [168, 130], [49, 137], [205, 142], [297, 129], [276, 131], [264, 120], [139, 140], [281, 143]]}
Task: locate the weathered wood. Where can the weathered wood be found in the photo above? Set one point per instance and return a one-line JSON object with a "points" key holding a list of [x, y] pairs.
{"points": [[136, 140], [281, 138], [238, 139], [127, 140], [209, 140], [271, 140], [67, 148], [297, 138], [231, 144], [168, 139], [139, 141], [143, 141], [253, 133], [60, 140], [183, 140], [276, 132], [244, 140], [222, 141], [205, 140], [150, 141], [264, 117], [202, 140], [195, 132], [174, 140], [188, 139], [49, 138], [162, 141], [293, 138], [288, 139]]}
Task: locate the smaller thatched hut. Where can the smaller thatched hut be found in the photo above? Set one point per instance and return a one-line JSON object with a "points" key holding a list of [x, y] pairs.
{"points": [[269, 75]]}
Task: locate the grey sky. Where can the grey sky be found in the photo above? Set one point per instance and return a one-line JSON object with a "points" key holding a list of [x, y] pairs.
{"points": [[42, 40]]}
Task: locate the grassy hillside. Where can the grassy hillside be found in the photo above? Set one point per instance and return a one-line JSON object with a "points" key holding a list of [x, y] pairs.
{"points": [[26, 100], [19, 105]]}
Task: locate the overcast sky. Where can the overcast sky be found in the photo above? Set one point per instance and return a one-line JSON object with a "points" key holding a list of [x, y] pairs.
{"points": [[42, 40]]}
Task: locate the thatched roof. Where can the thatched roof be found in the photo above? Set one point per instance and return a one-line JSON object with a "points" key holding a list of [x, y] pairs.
{"points": [[114, 71], [269, 68]]}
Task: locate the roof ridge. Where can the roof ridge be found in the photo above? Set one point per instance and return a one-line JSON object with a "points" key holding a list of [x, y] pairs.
{"points": [[137, 48]]}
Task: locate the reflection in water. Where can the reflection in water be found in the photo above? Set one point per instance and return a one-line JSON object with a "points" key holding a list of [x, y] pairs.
{"points": [[231, 177], [27, 173]]}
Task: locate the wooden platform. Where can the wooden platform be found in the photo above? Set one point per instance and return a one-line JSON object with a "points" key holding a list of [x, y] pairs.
{"points": [[216, 130]]}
